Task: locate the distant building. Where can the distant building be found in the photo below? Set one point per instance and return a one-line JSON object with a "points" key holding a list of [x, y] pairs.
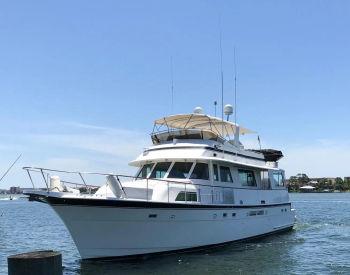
{"points": [[15, 190], [346, 179], [307, 188], [312, 183], [331, 180]]}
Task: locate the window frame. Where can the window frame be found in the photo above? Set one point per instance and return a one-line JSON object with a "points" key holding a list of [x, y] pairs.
{"points": [[165, 174], [194, 167], [230, 174], [254, 177], [280, 175], [187, 194], [188, 173], [137, 177], [217, 172]]}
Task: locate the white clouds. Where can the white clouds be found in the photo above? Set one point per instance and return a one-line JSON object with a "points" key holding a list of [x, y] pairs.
{"points": [[75, 147], [101, 140], [319, 159]]}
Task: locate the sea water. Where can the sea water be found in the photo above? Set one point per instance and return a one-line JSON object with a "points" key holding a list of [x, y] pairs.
{"points": [[319, 243]]}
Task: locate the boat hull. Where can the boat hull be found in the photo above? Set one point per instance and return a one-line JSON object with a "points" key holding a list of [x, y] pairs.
{"points": [[138, 228]]}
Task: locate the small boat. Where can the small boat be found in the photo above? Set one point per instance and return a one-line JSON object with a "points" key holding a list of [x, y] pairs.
{"points": [[196, 186]]}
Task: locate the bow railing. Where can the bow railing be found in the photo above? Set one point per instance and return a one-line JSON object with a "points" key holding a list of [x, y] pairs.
{"points": [[88, 183]]}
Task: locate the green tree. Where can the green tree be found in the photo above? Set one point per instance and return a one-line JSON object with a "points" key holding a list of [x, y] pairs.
{"points": [[339, 184]]}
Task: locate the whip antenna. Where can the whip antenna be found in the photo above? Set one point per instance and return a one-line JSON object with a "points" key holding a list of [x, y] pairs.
{"points": [[235, 86], [8, 170], [172, 84], [222, 83]]}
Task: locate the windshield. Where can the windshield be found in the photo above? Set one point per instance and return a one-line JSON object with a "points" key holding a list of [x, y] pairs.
{"points": [[146, 169], [160, 170], [200, 172], [180, 170]]}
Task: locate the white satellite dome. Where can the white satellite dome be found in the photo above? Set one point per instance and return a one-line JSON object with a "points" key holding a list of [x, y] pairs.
{"points": [[198, 110], [228, 109]]}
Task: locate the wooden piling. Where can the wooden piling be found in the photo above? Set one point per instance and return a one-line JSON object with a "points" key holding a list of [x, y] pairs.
{"points": [[46, 262]]}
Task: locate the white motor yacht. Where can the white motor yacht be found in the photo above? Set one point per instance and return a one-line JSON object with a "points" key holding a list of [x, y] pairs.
{"points": [[196, 186]]}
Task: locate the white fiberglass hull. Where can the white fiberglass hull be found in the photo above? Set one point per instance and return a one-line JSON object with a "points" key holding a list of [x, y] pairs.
{"points": [[111, 231]]}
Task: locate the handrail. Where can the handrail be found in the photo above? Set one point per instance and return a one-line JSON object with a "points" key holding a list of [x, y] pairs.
{"points": [[170, 132], [213, 195], [38, 169]]}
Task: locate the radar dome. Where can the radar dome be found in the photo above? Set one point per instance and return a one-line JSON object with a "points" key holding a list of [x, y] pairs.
{"points": [[228, 109], [198, 110]]}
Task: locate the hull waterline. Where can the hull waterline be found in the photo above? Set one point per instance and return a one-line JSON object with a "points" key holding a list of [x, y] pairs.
{"points": [[132, 228]]}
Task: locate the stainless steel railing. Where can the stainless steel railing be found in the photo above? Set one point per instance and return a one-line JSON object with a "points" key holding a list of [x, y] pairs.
{"points": [[45, 173]]}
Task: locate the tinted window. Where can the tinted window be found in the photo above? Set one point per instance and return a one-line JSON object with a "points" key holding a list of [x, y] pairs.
{"points": [[180, 170], [146, 169], [265, 181], [278, 178], [160, 170], [246, 177], [216, 172], [225, 174], [186, 196], [200, 171]]}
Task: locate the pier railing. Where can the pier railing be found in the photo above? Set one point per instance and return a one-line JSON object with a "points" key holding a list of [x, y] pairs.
{"points": [[79, 180]]}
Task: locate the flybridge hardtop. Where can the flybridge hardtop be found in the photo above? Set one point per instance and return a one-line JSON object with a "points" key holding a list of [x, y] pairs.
{"points": [[216, 134], [196, 177], [202, 122]]}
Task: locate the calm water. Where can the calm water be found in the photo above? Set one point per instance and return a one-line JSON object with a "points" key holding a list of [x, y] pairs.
{"points": [[320, 243]]}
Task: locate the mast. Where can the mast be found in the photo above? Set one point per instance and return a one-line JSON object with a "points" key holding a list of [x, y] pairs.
{"points": [[172, 84], [235, 83], [222, 85]]}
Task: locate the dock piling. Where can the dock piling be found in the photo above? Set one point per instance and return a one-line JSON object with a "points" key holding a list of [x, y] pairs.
{"points": [[45, 262]]}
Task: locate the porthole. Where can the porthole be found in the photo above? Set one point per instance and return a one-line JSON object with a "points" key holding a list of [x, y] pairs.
{"points": [[233, 214], [152, 216], [224, 215]]}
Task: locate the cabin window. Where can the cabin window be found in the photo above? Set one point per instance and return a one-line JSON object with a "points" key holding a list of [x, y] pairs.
{"points": [[186, 196], [265, 181], [180, 170], [225, 174], [146, 169], [200, 172], [278, 178], [246, 177], [160, 170], [216, 172]]}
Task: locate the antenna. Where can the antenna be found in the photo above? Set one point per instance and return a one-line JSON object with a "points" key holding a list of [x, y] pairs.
{"points": [[235, 88], [8, 170], [228, 110], [222, 81], [172, 84]]}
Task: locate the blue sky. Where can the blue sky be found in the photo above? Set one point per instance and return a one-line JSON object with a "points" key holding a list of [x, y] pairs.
{"points": [[81, 82]]}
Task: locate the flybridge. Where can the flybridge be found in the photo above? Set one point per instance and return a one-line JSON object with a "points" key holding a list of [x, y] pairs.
{"points": [[195, 126]]}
